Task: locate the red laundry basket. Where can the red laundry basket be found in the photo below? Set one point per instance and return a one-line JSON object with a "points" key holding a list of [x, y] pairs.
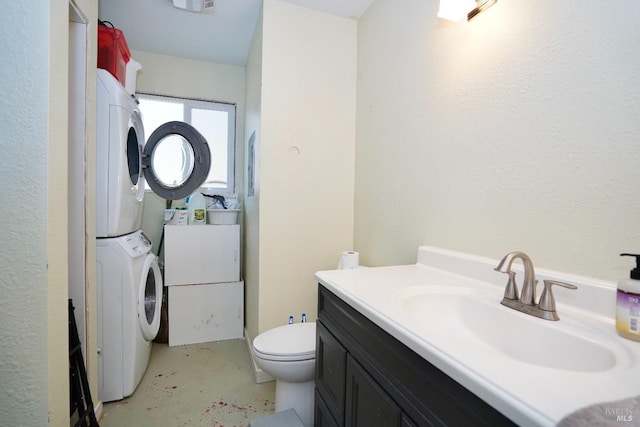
{"points": [[113, 52]]}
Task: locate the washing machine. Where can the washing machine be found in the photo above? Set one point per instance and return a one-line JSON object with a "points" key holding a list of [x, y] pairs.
{"points": [[129, 301], [123, 159], [129, 280]]}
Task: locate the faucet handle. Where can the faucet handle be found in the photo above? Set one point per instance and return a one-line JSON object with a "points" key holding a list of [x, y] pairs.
{"points": [[511, 291], [547, 302]]}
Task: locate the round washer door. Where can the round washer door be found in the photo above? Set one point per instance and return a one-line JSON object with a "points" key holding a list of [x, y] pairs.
{"points": [[150, 298], [135, 139], [176, 160]]}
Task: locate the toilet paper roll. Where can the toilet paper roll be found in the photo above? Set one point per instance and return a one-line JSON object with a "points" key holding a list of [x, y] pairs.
{"points": [[348, 260]]}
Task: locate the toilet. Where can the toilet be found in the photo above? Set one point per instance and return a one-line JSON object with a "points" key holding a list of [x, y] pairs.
{"points": [[288, 353]]}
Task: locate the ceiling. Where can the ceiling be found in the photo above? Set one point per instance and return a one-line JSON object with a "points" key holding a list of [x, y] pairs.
{"points": [[222, 36]]}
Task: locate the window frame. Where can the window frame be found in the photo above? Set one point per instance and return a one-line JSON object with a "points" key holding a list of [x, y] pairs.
{"points": [[189, 104]]}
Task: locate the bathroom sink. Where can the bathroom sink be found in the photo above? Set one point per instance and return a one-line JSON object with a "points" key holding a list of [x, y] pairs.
{"points": [[446, 308], [468, 317]]}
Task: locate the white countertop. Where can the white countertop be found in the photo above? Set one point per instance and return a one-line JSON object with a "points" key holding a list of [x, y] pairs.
{"points": [[528, 394]]}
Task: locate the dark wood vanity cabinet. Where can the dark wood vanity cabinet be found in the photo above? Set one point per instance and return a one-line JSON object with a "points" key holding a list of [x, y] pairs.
{"points": [[367, 404], [331, 370], [367, 378]]}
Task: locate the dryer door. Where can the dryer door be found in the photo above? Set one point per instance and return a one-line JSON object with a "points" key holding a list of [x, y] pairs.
{"points": [[150, 298], [176, 160], [135, 139]]}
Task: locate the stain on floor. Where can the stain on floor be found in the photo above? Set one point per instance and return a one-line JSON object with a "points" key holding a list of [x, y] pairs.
{"points": [[209, 385], [220, 411]]}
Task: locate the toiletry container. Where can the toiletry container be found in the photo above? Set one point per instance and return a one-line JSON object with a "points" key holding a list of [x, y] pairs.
{"points": [[197, 208], [628, 304]]}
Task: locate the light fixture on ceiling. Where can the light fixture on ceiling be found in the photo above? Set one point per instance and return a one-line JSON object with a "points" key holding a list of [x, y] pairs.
{"points": [[456, 10], [192, 5]]}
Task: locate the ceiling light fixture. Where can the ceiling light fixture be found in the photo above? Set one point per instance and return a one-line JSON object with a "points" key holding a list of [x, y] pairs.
{"points": [[481, 6], [456, 10], [192, 5]]}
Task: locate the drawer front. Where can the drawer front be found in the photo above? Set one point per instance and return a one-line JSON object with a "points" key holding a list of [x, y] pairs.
{"points": [[195, 254], [205, 313]]}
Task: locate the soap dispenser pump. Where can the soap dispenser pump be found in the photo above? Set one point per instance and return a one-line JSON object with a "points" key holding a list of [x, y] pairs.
{"points": [[628, 303]]}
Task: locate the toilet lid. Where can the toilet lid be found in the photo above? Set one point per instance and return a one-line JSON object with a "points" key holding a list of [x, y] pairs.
{"points": [[288, 342]]}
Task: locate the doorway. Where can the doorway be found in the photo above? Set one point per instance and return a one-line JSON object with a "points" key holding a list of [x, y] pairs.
{"points": [[77, 167]]}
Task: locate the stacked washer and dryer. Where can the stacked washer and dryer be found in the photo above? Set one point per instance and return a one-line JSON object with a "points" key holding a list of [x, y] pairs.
{"points": [[129, 281]]}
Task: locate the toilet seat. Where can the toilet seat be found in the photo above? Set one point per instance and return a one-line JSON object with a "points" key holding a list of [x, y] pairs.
{"points": [[287, 343]]}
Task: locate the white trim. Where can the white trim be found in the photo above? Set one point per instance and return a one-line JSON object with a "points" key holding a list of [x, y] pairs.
{"points": [[98, 409], [259, 375]]}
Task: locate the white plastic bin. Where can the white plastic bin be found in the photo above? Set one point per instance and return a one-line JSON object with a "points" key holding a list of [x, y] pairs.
{"points": [[222, 216]]}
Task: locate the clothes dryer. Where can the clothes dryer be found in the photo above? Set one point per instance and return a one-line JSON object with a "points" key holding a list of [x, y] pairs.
{"points": [[123, 159], [119, 139], [129, 301]]}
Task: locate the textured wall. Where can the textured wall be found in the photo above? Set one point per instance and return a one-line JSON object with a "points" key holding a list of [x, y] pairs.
{"points": [[34, 356], [306, 155], [252, 203], [518, 130], [23, 236]]}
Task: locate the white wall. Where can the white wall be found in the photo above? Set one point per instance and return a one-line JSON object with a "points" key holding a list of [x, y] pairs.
{"points": [[88, 9], [23, 174], [57, 216], [172, 76], [252, 203], [34, 357], [307, 137], [516, 131]]}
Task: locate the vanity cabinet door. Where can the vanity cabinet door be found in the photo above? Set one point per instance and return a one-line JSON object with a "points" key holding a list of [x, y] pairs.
{"points": [[407, 422], [331, 358], [322, 416], [387, 383], [367, 404]]}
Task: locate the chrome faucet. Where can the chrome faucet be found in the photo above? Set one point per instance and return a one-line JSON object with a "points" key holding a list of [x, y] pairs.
{"points": [[526, 302], [528, 296]]}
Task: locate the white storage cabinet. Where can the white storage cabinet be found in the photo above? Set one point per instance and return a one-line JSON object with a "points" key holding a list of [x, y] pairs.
{"points": [[202, 272]]}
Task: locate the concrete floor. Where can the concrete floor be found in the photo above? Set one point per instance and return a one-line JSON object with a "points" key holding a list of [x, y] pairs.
{"points": [[210, 384]]}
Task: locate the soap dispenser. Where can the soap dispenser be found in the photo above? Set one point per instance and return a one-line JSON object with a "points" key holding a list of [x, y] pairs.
{"points": [[628, 303]]}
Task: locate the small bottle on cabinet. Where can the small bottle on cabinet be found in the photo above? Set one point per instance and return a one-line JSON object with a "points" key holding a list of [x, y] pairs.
{"points": [[197, 208], [628, 304]]}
